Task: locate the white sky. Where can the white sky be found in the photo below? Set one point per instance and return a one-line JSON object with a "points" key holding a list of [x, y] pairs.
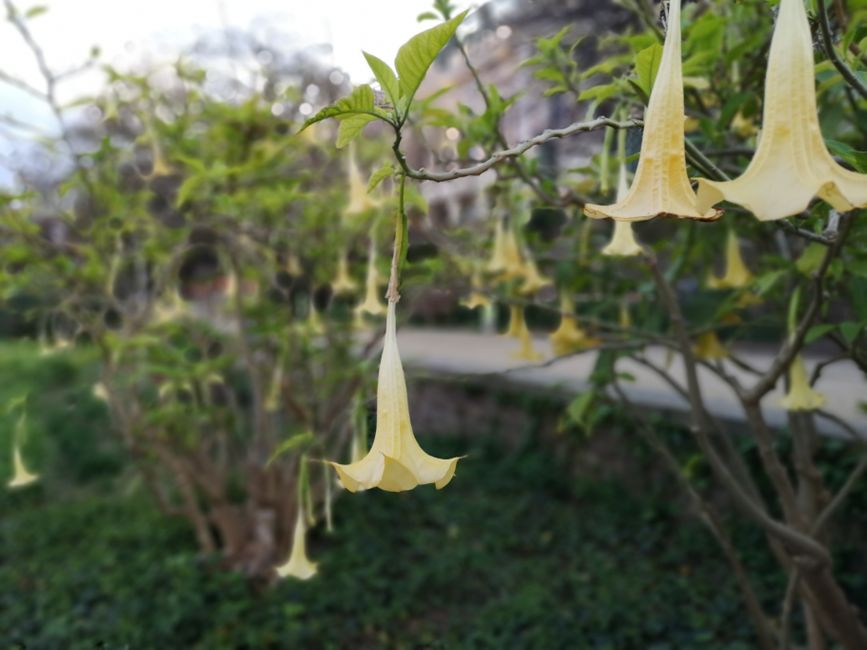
{"points": [[133, 31]]}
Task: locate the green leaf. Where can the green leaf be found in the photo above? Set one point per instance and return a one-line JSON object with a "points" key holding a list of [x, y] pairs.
{"points": [[34, 11], [418, 53], [857, 159], [385, 76], [818, 331], [811, 259], [426, 15], [379, 175], [359, 102], [646, 65], [599, 93], [350, 127], [289, 444], [850, 331]]}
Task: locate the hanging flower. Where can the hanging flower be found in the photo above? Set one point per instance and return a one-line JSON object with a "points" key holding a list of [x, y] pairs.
{"points": [[343, 282], [792, 163], [476, 297], [99, 391], [533, 280], [359, 200], [801, 396], [315, 326], [497, 263], [21, 477], [623, 243], [293, 264], [513, 263], [569, 336], [395, 461], [661, 185], [624, 317], [527, 352], [709, 347], [517, 326], [298, 565], [372, 304], [736, 274]]}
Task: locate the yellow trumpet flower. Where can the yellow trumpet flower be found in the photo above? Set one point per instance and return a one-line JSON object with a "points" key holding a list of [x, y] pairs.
{"points": [[395, 462], [372, 304], [569, 336], [517, 327], [513, 263], [99, 391], [623, 243], [792, 163], [497, 262], [736, 274], [298, 565], [661, 185], [21, 477], [359, 200], [533, 280], [709, 347], [625, 317], [343, 282], [801, 396], [293, 264], [314, 322], [527, 352], [476, 297]]}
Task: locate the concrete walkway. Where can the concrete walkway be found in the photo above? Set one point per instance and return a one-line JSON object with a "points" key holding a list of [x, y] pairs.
{"points": [[468, 353]]}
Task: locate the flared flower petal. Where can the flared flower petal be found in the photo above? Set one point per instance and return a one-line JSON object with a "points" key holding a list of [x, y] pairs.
{"points": [[709, 347], [533, 280], [497, 263], [343, 282], [623, 242], [569, 336], [791, 164], [21, 476], [801, 396], [661, 185], [373, 304], [513, 266], [298, 565], [476, 297], [395, 462], [527, 352], [517, 326], [736, 274]]}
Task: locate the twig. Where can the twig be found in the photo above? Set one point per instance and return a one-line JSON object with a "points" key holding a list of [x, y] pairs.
{"points": [[844, 70]]}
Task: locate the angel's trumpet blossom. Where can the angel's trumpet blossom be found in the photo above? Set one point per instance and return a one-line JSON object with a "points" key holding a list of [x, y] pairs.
{"points": [[372, 304], [21, 477], [709, 347], [298, 565], [359, 200], [343, 282], [513, 262], [497, 263], [661, 185], [99, 391], [476, 297], [533, 280], [736, 274], [624, 318], [314, 321], [791, 164], [623, 243], [569, 336], [395, 462], [527, 352], [801, 396], [517, 327]]}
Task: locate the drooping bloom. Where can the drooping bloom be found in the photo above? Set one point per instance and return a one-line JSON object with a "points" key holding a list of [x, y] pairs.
{"points": [[533, 280], [476, 297], [527, 352], [569, 336], [709, 347], [791, 164], [623, 243], [498, 258], [624, 319], [517, 327], [298, 565], [359, 200], [513, 262], [315, 326], [801, 396], [342, 282], [736, 274], [21, 476], [395, 462], [99, 391], [372, 304], [661, 185]]}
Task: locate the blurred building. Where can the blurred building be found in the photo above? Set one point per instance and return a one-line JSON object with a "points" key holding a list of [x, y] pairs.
{"points": [[502, 35]]}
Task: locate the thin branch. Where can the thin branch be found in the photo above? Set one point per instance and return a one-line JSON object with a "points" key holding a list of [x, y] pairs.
{"points": [[827, 43]]}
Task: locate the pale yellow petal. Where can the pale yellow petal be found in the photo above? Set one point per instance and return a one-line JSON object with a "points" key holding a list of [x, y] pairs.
{"points": [[709, 347], [801, 396], [298, 565], [21, 476], [792, 164], [343, 282], [661, 185]]}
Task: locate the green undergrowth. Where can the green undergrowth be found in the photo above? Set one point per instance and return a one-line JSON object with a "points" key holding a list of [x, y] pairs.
{"points": [[513, 554]]}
